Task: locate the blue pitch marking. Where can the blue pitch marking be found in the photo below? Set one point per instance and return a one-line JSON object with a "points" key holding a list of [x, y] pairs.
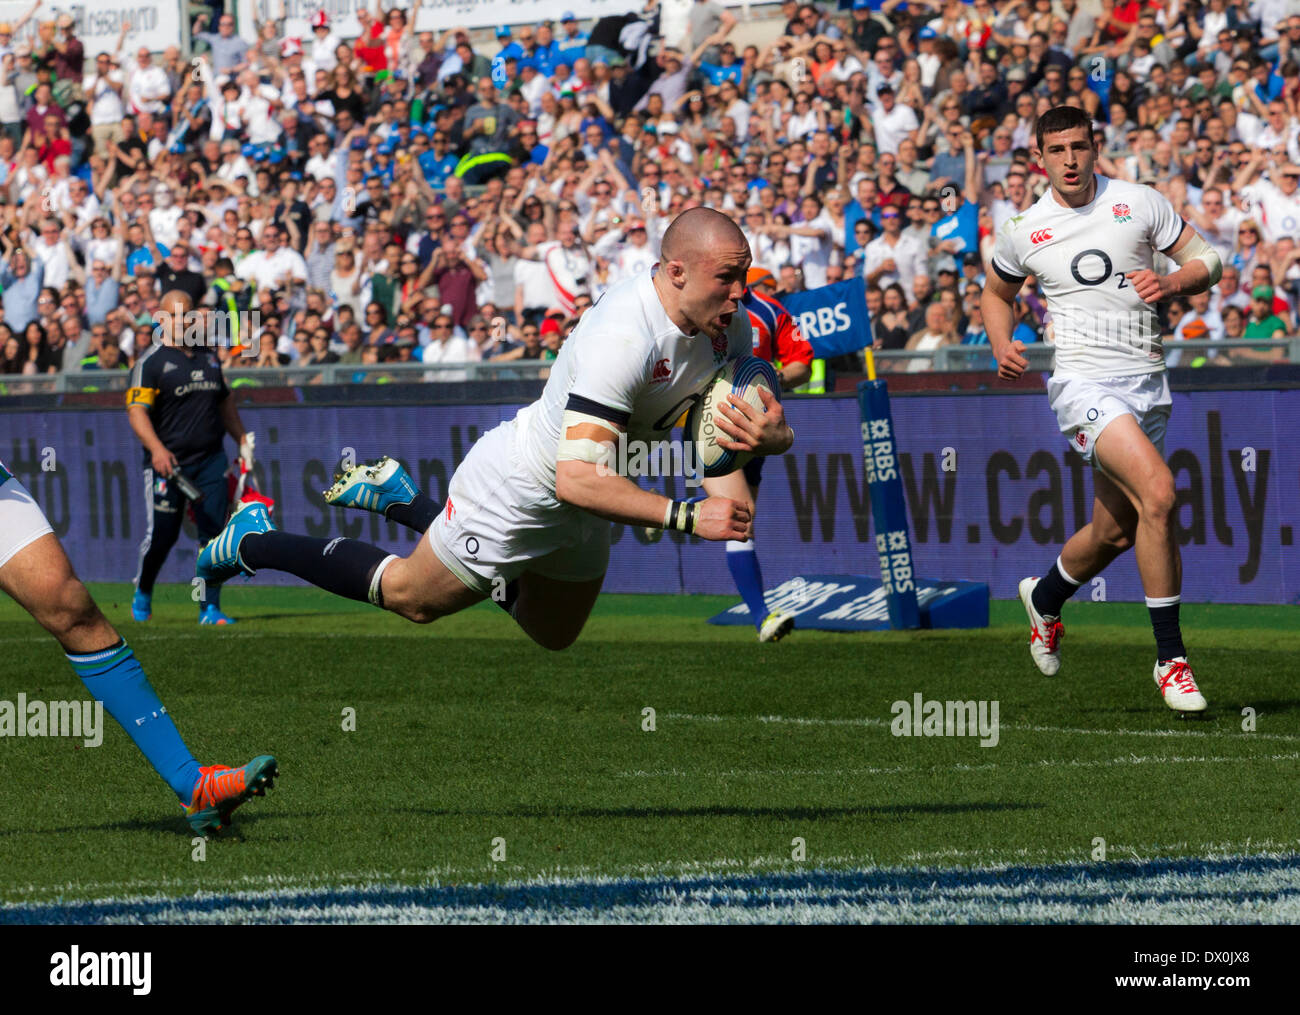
{"points": [[824, 888]]}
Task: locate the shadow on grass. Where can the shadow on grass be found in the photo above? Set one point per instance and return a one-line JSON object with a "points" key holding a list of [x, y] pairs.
{"points": [[809, 813], [1264, 708], [178, 826]]}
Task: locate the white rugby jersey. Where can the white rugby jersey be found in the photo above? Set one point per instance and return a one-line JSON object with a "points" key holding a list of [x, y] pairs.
{"points": [[1080, 257], [626, 362]]}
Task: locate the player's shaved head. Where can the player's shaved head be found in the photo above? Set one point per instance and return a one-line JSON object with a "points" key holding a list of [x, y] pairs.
{"points": [[176, 301], [173, 307], [699, 231], [703, 260]]}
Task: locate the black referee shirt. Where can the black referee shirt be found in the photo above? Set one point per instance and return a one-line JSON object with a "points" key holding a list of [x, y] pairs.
{"points": [[189, 282], [183, 390]]}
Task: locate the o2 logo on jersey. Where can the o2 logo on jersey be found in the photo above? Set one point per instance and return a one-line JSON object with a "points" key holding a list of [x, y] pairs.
{"points": [[1040, 236], [1081, 263], [1121, 211]]}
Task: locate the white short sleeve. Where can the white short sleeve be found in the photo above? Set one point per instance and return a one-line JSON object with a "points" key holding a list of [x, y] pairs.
{"points": [[1006, 262], [1166, 224], [614, 370]]}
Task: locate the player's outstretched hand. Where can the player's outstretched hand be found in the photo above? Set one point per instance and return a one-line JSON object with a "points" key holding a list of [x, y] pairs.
{"points": [[1012, 362], [720, 518], [1150, 287], [763, 433]]}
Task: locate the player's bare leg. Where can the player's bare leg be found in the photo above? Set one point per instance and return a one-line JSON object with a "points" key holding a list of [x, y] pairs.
{"points": [[552, 612], [1133, 463], [41, 580], [1136, 466], [1110, 533], [422, 589], [419, 587]]}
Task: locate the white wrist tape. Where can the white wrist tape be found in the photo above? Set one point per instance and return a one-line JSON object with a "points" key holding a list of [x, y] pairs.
{"points": [[1196, 249]]}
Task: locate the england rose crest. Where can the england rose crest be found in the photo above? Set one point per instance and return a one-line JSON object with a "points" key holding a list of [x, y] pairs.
{"points": [[1121, 212]]}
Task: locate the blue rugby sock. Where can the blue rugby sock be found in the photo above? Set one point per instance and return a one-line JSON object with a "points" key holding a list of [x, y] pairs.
{"points": [[114, 676], [742, 562]]}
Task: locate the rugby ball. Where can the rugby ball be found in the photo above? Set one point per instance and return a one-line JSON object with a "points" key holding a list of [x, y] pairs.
{"points": [[744, 376]]}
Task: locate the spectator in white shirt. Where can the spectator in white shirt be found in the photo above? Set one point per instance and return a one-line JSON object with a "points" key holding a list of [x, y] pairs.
{"points": [[891, 121], [103, 88], [148, 89], [51, 247], [892, 257], [447, 347], [812, 245], [324, 42], [165, 216], [274, 266], [82, 204]]}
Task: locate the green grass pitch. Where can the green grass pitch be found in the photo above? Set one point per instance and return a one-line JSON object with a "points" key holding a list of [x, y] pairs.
{"points": [[467, 735]]}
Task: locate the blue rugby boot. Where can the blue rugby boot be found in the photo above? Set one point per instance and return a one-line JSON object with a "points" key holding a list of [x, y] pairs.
{"points": [[211, 616], [141, 606], [375, 487], [219, 559]]}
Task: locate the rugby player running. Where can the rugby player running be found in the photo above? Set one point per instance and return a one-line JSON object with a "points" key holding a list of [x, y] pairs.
{"points": [[1091, 242]]}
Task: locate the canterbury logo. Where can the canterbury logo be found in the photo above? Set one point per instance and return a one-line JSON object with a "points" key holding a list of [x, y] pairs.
{"points": [[450, 509], [1040, 236], [1081, 439], [661, 372]]}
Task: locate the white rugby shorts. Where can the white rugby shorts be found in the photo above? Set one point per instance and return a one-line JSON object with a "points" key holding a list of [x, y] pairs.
{"points": [[1085, 406], [500, 522], [22, 521]]}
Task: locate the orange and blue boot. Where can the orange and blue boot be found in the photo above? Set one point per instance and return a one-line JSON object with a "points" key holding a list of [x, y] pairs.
{"points": [[221, 789]]}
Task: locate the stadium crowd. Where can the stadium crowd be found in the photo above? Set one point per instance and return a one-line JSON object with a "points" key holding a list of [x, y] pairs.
{"points": [[404, 196]]}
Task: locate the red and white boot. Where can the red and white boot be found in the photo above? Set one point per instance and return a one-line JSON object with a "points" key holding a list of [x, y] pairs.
{"points": [[1176, 683], [1044, 635]]}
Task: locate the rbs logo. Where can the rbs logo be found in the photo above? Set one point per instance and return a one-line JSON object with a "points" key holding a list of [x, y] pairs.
{"points": [[824, 321]]}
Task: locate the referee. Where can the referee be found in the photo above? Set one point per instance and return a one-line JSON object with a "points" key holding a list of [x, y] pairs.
{"points": [[181, 409]]}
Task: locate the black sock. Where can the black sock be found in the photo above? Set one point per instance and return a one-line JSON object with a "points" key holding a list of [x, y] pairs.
{"points": [[1051, 593], [345, 567], [1164, 622], [417, 515]]}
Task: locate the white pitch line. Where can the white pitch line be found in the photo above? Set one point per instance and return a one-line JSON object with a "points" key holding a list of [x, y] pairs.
{"points": [[1132, 759], [1072, 891], [1289, 738], [73, 892]]}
